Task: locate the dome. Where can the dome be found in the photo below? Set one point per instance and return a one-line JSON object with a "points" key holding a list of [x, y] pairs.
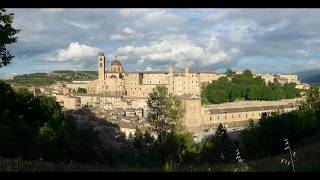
{"points": [[116, 62], [101, 54]]}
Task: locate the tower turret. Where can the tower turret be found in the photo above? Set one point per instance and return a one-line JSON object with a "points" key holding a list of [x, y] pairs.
{"points": [[101, 66]]}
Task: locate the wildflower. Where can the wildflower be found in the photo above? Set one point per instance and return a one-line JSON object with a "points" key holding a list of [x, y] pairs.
{"points": [[292, 155]]}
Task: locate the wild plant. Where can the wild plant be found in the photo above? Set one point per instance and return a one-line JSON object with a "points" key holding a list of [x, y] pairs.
{"points": [[292, 155]]}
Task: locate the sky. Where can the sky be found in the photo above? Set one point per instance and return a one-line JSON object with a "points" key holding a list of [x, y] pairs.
{"points": [[262, 40]]}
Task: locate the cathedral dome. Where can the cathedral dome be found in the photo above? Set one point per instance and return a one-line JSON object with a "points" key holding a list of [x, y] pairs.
{"points": [[116, 62]]}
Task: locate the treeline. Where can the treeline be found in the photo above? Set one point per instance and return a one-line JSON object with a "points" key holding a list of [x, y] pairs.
{"points": [[245, 87], [267, 137], [39, 79], [36, 79]]}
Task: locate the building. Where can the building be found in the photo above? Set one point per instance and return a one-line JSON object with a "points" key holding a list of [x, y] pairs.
{"points": [[125, 94], [303, 86], [198, 118], [117, 81], [75, 85], [267, 78], [287, 78], [68, 102]]}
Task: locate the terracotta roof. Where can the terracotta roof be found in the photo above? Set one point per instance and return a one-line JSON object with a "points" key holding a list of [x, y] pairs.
{"points": [[248, 109]]}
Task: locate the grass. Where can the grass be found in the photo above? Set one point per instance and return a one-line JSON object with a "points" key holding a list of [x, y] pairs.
{"points": [[308, 160]]}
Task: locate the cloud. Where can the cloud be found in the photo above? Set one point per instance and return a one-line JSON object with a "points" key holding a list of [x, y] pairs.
{"points": [[126, 34], [203, 38], [74, 52], [85, 26], [177, 48], [152, 18], [173, 29], [148, 68]]}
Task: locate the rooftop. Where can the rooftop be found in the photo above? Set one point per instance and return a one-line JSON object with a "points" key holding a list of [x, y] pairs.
{"points": [[248, 109]]}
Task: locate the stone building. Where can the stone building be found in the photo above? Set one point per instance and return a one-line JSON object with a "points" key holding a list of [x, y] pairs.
{"points": [[75, 85], [198, 117], [117, 81], [126, 94], [287, 78], [68, 102]]}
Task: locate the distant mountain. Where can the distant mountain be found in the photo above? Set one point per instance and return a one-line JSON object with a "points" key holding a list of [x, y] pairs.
{"points": [[309, 76]]}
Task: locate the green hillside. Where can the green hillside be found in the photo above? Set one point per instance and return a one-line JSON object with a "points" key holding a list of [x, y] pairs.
{"points": [[51, 78]]}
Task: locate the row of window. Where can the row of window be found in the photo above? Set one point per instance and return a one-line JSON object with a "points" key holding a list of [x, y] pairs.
{"points": [[233, 116]]}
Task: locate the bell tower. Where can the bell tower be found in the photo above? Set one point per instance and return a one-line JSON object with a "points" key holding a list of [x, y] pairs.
{"points": [[101, 66]]}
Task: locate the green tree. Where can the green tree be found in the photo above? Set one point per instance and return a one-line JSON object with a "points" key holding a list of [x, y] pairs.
{"points": [[218, 148], [7, 36], [165, 111], [81, 90], [229, 73]]}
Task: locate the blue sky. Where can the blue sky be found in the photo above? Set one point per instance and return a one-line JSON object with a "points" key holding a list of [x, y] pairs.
{"points": [[263, 40]]}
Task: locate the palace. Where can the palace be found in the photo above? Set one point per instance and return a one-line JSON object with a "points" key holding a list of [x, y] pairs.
{"points": [[117, 81], [121, 94]]}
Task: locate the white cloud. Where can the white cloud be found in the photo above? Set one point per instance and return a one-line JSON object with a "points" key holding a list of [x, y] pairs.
{"points": [[177, 49], [180, 49], [148, 68], [128, 30], [173, 29], [117, 37], [82, 25], [75, 52], [126, 34], [52, 10], [152, 17], [133, 12]]}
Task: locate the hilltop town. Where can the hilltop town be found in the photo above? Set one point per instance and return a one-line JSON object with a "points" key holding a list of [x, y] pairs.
{"points": [[119, 96]]}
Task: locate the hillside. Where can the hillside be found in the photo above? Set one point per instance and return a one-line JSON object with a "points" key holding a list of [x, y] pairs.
{"points": [[309, 76], [51, 78], [308, 157]]}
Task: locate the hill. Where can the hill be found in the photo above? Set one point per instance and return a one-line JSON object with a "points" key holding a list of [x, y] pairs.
{"points": [[309, 76], [308, 158], [51, 78]]}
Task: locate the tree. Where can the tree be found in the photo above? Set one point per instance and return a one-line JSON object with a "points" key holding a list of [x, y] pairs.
{"points": [[229, 72], [7, 36], [218, 148], [165, 111], [81, 90]]}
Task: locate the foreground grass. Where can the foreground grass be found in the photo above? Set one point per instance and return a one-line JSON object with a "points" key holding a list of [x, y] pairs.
{"points": [[308, 160]]}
